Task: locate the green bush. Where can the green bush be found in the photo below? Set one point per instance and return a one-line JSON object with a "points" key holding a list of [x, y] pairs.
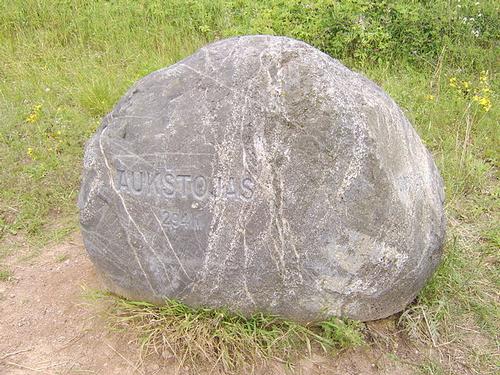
{"points": [[378, 31]]}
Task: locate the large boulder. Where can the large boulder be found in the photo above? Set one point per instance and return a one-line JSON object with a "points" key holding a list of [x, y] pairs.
{"points": [[260, 174]]}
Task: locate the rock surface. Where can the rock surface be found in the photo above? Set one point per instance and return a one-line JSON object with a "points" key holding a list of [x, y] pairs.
{"points": [[260, 174]]}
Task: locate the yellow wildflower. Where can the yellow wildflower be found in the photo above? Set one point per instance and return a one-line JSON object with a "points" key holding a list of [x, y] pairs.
{"points": [[204, 28], [483, 76], [32, 118], [31, 153], [34, 114], [485, 103], [429, 97], [453, 82]]}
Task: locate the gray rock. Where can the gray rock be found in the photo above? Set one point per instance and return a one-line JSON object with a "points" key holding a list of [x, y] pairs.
{"points": [[260, 174]]}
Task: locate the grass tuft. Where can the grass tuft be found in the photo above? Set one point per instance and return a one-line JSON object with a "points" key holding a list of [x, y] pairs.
{"points": [[5, 274], [219, 340], [62, 258]]}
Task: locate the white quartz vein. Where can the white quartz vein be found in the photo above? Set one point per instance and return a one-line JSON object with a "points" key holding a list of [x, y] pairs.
{"points": [[245, 273], [101, 248], [112, 184], [170, 245], [201, 74]]}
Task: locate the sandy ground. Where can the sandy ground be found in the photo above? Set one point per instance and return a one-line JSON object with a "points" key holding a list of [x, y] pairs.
{"points": [[48, 327]]}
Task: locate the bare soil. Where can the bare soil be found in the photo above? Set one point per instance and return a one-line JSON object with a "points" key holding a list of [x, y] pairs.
{"points": [[47, 326]]}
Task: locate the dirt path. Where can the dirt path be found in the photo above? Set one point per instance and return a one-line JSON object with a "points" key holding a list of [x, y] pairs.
{"points": [[48, 327]]}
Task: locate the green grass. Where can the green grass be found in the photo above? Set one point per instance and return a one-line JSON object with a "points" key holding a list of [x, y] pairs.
{"points": [[64, 64], [430, 368], [216, 339], [62, 258], [5, 274]]}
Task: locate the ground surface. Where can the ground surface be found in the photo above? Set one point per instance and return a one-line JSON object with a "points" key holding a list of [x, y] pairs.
{"points": [[47, 326]]}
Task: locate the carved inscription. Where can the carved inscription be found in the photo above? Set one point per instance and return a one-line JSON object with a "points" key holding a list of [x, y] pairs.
{"points": [[168, 184], [183, 220]]}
